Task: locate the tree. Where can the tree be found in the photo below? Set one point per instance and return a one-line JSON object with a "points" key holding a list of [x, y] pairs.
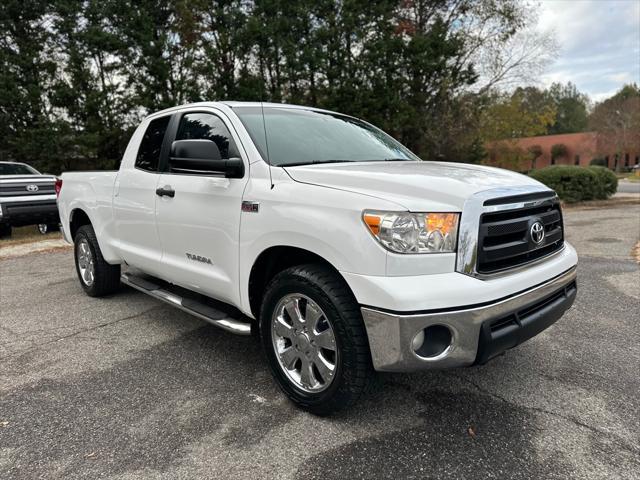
{"points": [[77, 75], [505, 44], [88, 88], [558, 150], [535, 152], [524, 113], [507, 154], [160, 40], [28, 125], [617, 122], [571, 109]]}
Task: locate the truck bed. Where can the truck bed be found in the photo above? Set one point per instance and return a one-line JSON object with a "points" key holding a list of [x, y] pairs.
{"points": [[90, 191]]}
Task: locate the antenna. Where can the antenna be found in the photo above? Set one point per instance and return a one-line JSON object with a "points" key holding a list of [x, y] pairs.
{"points": [[266, 142]]}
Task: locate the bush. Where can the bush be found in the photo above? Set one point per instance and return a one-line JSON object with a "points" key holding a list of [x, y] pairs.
{"points": [[559, 150], [606, 183], [572, 183]]}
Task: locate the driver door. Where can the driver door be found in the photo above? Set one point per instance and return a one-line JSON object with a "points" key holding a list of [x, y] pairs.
{"points": [[199, 219]]}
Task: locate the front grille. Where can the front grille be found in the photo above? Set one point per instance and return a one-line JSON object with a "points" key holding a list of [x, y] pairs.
{"points": [[504, 239]]}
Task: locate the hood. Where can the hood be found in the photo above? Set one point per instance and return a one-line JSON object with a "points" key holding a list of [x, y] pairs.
{"points": [[417, 186]]}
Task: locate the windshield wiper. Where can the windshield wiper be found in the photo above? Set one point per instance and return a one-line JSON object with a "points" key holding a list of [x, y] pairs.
{"points": [[317, 162], [314, 162]]}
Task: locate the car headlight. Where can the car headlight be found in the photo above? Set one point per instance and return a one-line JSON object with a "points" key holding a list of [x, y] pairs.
{"points": [[405, 232]]}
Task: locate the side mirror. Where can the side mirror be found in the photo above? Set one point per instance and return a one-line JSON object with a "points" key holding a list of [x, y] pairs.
{"points": [[202, 157], [234, 168]]}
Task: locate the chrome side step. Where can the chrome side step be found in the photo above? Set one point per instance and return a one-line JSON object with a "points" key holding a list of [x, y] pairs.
{"points": [[193, 307]]}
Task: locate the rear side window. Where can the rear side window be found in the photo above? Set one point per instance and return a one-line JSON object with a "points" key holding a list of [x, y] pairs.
{"points": [[151, 144], [206, 126]]}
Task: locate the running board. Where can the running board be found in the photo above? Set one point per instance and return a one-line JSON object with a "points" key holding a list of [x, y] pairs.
{"points": [[191, 306]]}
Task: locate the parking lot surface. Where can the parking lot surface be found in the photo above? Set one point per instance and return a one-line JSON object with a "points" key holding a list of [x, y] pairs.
{"points": [[625, 186], [126, 387]]}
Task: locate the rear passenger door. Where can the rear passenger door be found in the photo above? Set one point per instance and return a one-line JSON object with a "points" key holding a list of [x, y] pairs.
{"points": [[134, 199], [199, 223]]}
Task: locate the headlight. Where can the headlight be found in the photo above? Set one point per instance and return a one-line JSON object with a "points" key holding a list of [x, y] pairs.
{"points": [[404, 232]]}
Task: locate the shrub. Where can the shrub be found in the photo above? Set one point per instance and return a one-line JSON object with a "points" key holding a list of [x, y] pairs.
{"points": [[571, 183], [606, 182], [559, 150], [535, 152]]}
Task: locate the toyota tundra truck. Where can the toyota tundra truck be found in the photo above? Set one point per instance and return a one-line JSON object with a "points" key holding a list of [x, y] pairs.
{"points": [[345, 252], [27, 197]]}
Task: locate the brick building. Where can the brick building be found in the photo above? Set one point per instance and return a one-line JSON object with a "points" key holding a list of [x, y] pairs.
{"points": [[580, 149]]}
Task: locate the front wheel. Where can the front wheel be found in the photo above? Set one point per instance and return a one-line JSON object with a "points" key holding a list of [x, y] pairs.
{"points": [[97, 277], [314, 338]]}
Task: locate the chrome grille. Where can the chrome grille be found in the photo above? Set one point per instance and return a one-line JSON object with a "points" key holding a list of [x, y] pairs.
{"points": [[504, 237]]}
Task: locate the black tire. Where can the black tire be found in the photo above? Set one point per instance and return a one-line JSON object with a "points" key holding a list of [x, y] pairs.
{"points": [[106, 276], [354, 373], [5, 230]]}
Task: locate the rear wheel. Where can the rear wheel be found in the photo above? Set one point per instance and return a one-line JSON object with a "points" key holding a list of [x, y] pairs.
{"points": [[314, 339], [97, 277]]}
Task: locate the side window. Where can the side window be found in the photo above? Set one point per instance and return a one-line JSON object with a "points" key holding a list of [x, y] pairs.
{"points": [[206, 126], [151, 144]]}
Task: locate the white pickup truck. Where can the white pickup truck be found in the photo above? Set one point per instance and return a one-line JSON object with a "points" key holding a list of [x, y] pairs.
{"points": [[346, 252]]}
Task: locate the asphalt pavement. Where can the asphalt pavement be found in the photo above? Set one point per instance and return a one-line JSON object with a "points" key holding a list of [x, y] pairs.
{"points": [[625, 186], [128, 388]]}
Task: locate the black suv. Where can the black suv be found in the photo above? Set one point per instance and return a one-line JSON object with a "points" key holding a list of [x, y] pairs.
{"points": [[26, 198]]}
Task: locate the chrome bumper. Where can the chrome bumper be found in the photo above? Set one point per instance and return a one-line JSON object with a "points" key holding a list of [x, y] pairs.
{"points": [[391, 334]]}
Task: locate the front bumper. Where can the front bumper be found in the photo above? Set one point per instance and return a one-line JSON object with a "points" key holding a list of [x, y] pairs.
{"points": [[478, 333]]}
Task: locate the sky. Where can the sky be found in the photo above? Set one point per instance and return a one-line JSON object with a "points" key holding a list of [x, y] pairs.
{"points": [[599, 44]]}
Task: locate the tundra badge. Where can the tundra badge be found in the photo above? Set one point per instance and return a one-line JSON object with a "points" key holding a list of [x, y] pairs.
{"points": [[198, 258]]}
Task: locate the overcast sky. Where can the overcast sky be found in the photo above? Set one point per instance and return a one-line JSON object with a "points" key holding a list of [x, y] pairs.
{"points": [[599, 41]]}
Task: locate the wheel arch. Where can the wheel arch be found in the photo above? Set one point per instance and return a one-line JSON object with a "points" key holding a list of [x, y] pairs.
{"points": [[272, 261], [80, 216], [77, 218]]}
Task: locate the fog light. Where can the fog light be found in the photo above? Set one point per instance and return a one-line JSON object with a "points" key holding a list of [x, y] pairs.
{"points": [[418, 340], [432, 341]]}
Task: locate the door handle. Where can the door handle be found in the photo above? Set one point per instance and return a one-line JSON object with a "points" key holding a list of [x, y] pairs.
{"points": [[165, 191]]}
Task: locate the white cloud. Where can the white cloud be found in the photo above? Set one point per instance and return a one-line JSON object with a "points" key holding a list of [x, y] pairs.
{"points": [[599, 40], [621, 77]]}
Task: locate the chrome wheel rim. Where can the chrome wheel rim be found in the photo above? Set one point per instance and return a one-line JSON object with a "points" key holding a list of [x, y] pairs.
{"points": [[304, 342], [42, 228], [85, 263]]}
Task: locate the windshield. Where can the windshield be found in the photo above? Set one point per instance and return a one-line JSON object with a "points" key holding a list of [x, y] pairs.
{"points": [[17, 169], [303, 137]]}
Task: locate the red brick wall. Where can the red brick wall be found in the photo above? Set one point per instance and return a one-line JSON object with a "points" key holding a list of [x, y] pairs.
{"points": [[581, 147]]}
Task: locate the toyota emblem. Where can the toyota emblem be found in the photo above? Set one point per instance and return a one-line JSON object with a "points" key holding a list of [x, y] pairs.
{"points": [[32, 188], [537, 233]]}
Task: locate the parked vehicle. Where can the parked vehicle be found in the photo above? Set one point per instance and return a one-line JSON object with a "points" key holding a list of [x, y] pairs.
{"points": [[26, 198], [344, 250]]}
